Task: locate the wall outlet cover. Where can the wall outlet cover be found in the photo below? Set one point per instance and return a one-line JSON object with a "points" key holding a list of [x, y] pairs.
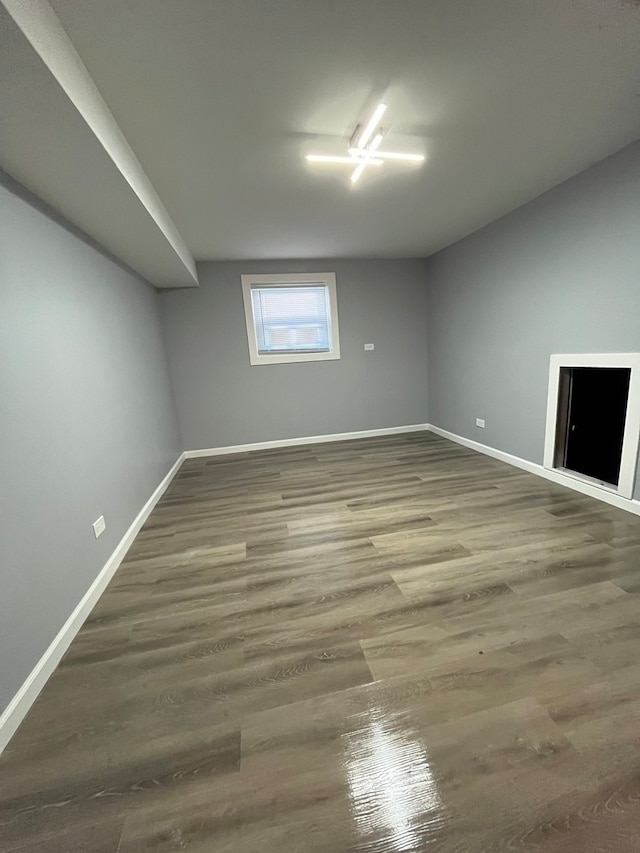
{"points": [[99, 526], [368, 347], [480, 422]]}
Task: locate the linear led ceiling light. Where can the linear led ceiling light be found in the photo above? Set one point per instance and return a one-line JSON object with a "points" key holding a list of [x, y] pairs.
{"points": [[364, 153]]}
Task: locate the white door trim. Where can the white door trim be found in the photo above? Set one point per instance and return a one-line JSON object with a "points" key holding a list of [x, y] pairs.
{"points": [[631, 440]]}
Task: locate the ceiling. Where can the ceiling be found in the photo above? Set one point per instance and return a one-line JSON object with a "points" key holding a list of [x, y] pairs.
{"points": [[219, 101]]}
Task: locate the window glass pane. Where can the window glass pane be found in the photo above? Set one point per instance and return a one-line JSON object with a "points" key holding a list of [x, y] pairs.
{"points": [[291, 319]]}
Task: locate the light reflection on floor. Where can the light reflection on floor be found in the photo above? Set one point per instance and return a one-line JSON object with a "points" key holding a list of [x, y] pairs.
{"points": [[394, 797]]}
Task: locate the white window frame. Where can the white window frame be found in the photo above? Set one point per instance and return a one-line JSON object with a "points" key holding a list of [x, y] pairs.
{"points": [[328, 279], [631, 439]]}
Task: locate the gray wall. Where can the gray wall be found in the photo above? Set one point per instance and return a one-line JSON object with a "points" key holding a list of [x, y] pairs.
{"points": [[222, 400], [87, 420], [559, 275]]}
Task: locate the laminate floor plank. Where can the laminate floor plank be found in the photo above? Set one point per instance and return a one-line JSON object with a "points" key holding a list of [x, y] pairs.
{"points": [[389, 645], [102, 836]]}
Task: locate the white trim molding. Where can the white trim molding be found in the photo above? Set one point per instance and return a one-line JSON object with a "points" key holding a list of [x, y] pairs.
{"points": [[308, 439], [578, 485], [631, 439], [17, 709]]}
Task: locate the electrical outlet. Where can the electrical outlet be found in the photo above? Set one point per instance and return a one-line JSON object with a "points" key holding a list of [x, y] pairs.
{"points": [[480, 422], [369, 347], [99, 526]]}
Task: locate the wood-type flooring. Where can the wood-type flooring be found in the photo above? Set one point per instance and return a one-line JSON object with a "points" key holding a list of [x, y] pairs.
{"points": [[386, 645]]}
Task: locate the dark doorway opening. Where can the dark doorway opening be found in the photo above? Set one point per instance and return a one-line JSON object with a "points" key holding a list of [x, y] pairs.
{"points": [[592, 408]]}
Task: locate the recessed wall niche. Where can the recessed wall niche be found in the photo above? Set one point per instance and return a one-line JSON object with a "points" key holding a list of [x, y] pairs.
{"points": [[593, 419]]}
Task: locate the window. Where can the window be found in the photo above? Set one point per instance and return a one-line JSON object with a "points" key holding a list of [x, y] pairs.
{"points": [[291, 317]]}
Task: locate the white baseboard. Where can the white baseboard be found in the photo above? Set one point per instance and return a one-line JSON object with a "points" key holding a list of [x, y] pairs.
{"points": [[17, 709], [308, 439], [628, 504]]}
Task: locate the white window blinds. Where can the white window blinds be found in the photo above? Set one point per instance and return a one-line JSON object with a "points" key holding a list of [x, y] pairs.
{"points": [[291, 319]]}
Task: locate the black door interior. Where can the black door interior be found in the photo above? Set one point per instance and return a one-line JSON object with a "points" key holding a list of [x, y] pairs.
{"points": [[597, 410]]}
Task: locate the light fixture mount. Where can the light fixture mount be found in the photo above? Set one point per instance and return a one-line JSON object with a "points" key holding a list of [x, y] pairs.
{"points": [[364, 151]]}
